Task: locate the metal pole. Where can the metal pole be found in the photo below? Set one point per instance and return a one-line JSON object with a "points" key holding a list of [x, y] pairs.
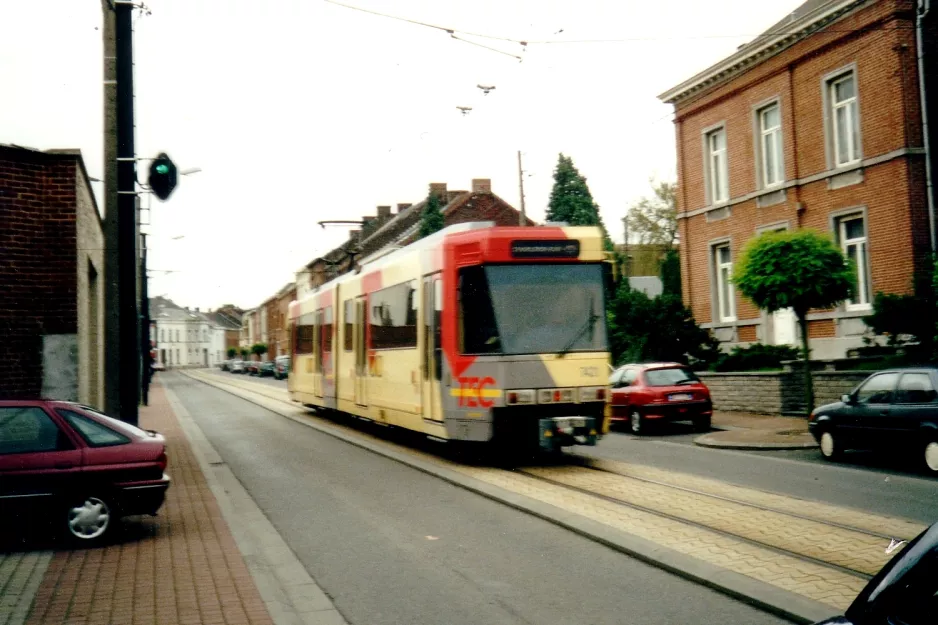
{"points": [[127, 217], [112, 363], [145, 346], [921, 14], [522, 220]]}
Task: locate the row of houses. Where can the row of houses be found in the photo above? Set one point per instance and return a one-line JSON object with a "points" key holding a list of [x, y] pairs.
{"points": [[181, 337], [388, 228], [821, 122]]}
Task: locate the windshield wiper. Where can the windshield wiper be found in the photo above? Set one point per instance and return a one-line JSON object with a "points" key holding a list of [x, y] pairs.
{"points": [[586, 327]]}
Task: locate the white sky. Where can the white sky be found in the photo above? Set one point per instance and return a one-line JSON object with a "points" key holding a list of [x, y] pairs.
{"points": [[301, 110]]}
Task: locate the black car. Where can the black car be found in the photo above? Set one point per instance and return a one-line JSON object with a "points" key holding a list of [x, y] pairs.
{"points": [[282, 367], [904, 592], [265, 368], [895, 409]]}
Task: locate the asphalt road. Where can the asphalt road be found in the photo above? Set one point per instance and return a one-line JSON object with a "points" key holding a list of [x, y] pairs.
{"points": [[392, 545], [864, 481], [868, 487]]}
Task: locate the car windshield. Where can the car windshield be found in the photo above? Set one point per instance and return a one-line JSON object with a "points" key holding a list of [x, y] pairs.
{"points": [[674, 376], [564, 309]]}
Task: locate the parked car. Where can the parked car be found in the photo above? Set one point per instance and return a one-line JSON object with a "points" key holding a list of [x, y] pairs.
{"points": [[281, 367], [667, 391], [237, 366], [225, 365], [895, 409], [250, 367], [265, 368], [77, 467], [904, 592]]}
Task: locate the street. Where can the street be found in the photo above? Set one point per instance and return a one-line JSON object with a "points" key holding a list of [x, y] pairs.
{"points": [[393, 545], [864, 481]]}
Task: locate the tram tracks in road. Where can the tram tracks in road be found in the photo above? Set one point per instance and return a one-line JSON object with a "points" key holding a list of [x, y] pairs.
{"points": [[838, 545]]}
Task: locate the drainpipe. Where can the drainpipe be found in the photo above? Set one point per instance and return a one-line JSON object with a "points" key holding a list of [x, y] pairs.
{"points": [[923, 9]]}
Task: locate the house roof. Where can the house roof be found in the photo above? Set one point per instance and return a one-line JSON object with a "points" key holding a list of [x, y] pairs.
{"points": [[807, 19]]}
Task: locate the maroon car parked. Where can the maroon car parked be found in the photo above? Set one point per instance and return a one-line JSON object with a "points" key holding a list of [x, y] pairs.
{"points": [[77, 467], [667, 391]]}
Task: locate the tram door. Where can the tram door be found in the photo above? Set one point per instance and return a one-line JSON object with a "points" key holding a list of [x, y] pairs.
{"points": [[432, 353], [317, 356], [361, 353]]}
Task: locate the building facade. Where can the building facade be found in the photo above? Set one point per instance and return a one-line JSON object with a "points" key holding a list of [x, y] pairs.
{"points": [[51, 278], [184, 337], [815, 124]]}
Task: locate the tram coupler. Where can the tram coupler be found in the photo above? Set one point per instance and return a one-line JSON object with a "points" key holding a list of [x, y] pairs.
{"points": [[559, 432]]}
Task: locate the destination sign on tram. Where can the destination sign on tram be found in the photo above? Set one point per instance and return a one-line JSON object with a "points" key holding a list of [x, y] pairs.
{"points": [[545, 249]]}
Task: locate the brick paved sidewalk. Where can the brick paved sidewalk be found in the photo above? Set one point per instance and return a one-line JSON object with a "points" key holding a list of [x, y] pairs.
{"points": [[181, 567]]}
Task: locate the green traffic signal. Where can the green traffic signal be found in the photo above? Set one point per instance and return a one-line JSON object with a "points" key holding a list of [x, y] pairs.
{"points": [[162, 168]]}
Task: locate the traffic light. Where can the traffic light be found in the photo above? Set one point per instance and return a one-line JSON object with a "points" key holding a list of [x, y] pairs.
{"points": [[162, 178]]}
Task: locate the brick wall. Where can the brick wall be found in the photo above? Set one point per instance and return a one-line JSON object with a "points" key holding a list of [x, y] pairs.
{"points": [[777, 393], [37, 262], [891, 193]]}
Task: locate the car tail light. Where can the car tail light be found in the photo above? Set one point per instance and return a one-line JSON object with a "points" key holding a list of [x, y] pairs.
{"points": [[163, 461], [525, 396]]}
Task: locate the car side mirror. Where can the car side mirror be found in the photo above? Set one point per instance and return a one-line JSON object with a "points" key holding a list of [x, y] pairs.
{"points": [[847, 399]]}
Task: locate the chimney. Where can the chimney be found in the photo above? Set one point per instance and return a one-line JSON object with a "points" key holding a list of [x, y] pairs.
{"points": [[402, 206], [438, 189], [384, 212], [354, 234], [452, 195], [481, 185]]}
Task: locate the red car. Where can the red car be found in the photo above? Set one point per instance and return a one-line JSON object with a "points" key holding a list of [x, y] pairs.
{"points": [[77, 467], [667, 391]]}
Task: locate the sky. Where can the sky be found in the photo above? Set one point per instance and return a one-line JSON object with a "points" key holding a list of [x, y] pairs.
{"points": [[298, 111]]}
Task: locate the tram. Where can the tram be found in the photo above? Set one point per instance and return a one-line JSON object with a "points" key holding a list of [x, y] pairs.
{"points": [[476, 333]]}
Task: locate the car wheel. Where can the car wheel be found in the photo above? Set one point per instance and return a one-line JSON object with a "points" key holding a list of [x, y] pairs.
{"points": [[636, 422], [702, 424], [830, 446], [89, 519], [930, 456]]}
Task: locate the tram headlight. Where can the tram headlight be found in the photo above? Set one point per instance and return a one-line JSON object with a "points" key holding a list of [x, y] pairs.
{"points": [[522, 396]]}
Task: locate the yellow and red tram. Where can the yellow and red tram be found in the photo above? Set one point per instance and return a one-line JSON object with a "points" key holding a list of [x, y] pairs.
{"points": [[475, 333]]}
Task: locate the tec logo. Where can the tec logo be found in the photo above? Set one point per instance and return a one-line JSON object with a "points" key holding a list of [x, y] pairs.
{"points": [[472, 392]]}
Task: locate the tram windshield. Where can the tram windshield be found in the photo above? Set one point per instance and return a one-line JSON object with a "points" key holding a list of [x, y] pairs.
{"points": [[532, 309]]}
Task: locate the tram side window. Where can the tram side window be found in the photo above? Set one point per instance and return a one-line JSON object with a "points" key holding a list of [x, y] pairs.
{"points": [[348, 317], [477, 318], [304, 334], [327, 330], [393, 318]]}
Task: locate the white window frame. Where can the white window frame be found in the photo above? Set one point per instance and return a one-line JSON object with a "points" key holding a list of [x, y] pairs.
{"points": [[725, 309], [851, 108], [764, 133], [717, 188], [863, 261]]}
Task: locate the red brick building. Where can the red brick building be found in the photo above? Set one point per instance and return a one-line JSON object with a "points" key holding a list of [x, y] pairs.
{"points": [[815, 124], [389, 229], [51, 278]]}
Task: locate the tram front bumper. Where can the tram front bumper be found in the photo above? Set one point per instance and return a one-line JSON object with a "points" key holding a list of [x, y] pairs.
{"points": [[559, 432]]}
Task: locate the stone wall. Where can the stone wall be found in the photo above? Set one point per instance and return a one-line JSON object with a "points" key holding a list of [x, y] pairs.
{"points": [[777, 392]]}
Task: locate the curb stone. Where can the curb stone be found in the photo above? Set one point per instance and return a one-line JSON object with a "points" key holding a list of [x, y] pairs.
{"points": [[777, 601]]}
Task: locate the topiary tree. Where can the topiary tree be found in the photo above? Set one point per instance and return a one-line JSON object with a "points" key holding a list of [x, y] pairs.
{"points": [[431, 219], [259, 349], [800, 270], [244, 352], [232, 352], [571, 200]]}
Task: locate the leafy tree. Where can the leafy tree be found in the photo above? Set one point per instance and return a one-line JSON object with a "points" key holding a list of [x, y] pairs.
{"points": [[800, 270], [232, 352], [431, 219], [259, 349], [244, 352], [643, 329], [671, 274], [571, 200], [654, 219]]}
